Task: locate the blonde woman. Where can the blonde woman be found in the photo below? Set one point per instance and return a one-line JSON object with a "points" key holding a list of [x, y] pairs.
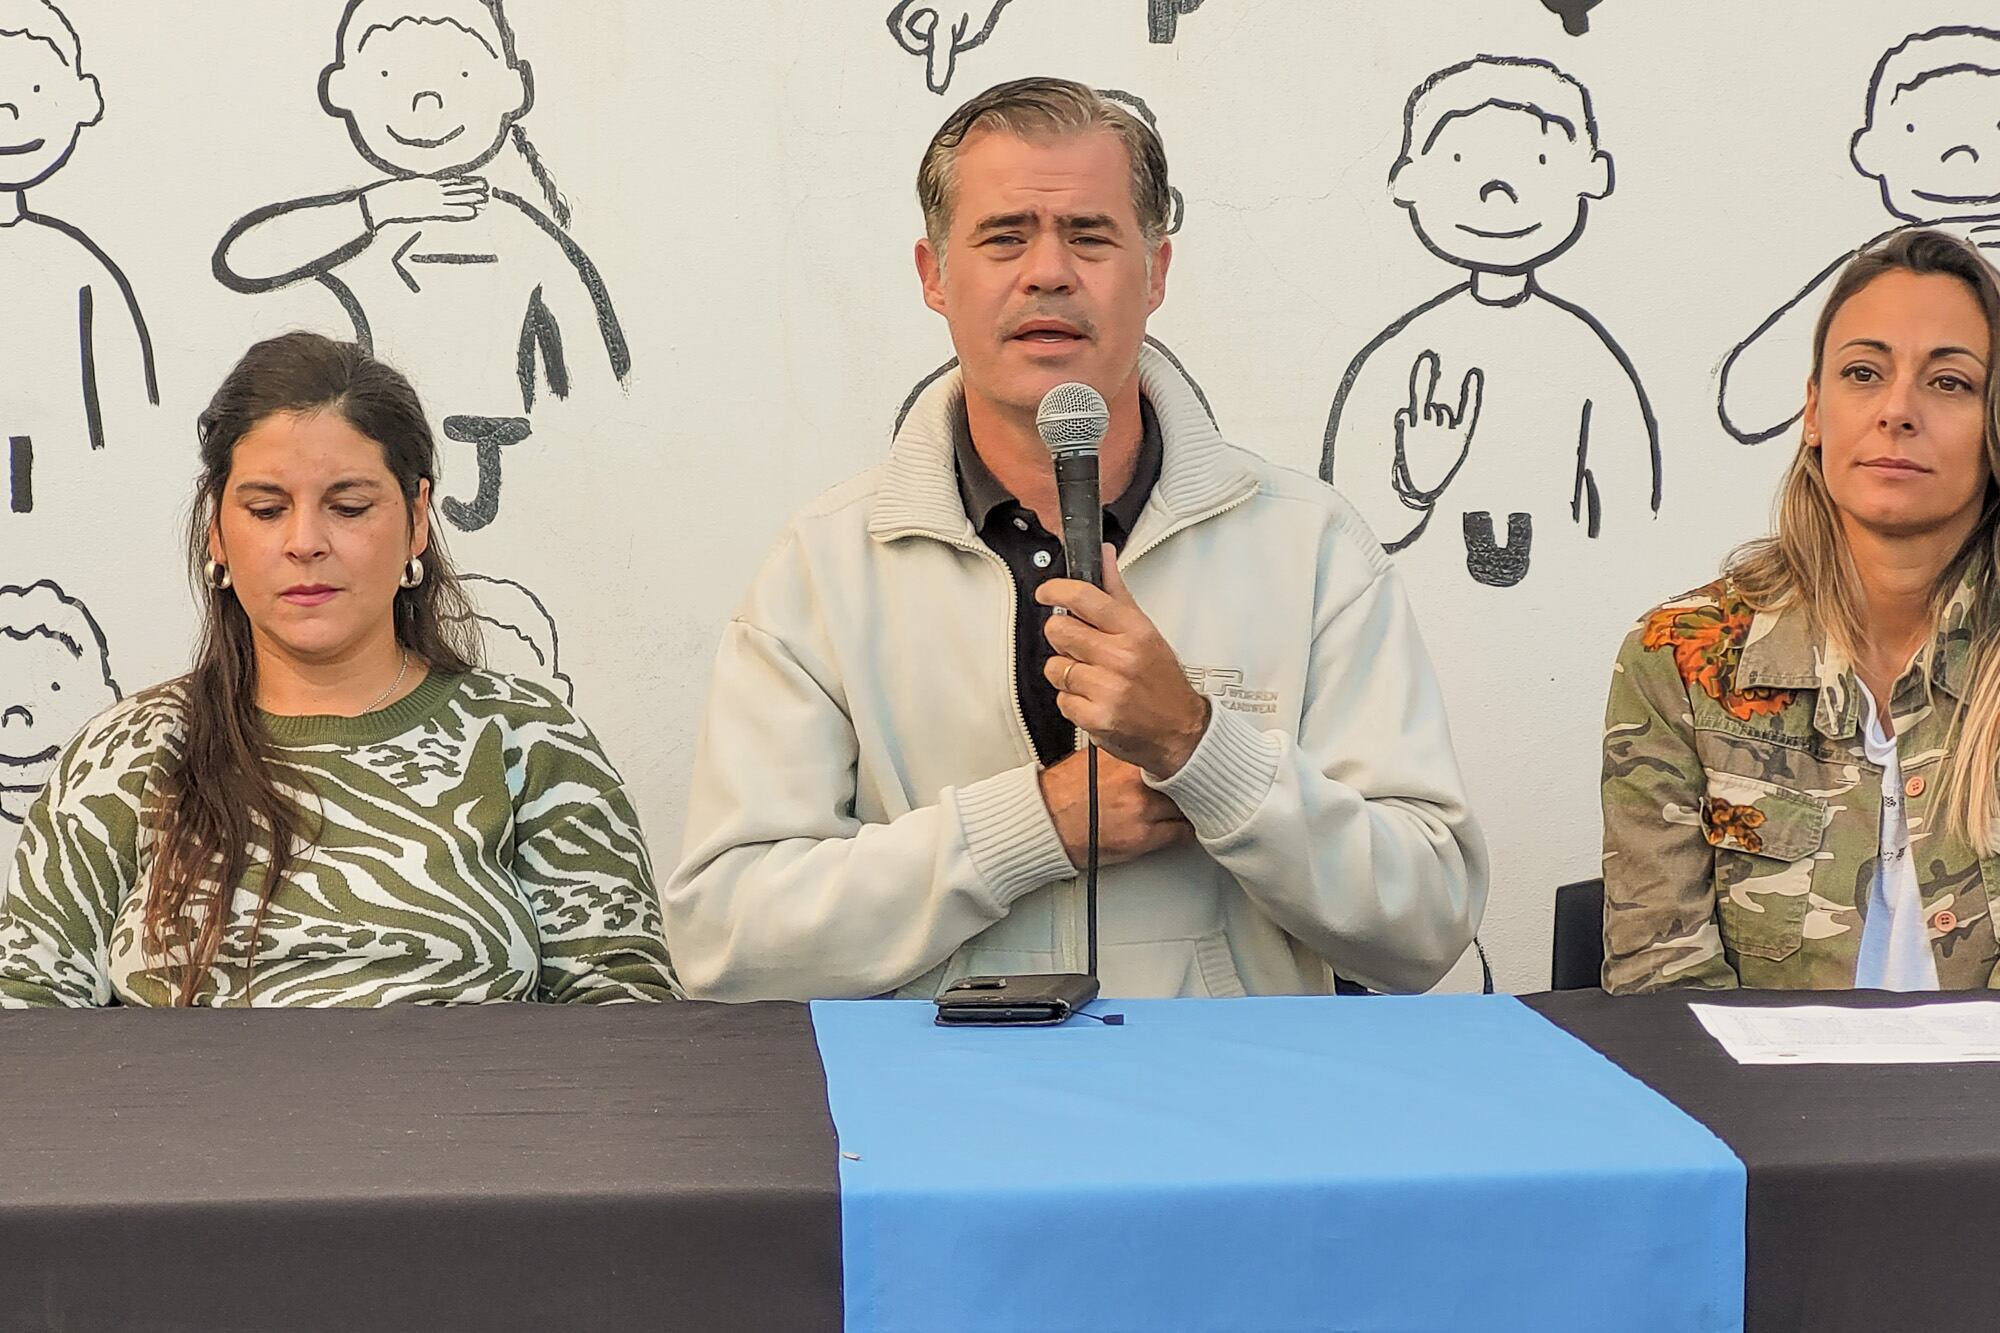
{"points": [[1799, 759]]}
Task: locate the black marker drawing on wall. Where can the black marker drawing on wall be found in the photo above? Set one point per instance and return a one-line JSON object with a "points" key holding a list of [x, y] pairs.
{"points": [[518, 633], [1496, 563], [1927, 141], [1496, 400], [55, 675], [431, 92], [20, 474], [59, 286], [488, 436], [1575, 14], [1138, 105], [1163, 18], [940, 31]]}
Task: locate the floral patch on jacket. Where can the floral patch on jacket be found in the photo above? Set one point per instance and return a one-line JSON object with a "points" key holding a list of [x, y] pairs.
{"points": [[1707, 641], [1721, 822]]}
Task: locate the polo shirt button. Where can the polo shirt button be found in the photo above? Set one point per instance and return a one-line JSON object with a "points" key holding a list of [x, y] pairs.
{"points": [[1043, 560], [1914, 787]]}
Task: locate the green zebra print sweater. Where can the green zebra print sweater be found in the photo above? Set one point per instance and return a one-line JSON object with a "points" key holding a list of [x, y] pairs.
{"points": [[473, 844]]}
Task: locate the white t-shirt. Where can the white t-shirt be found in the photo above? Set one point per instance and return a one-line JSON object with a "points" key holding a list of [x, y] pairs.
{"points": [[1895, 939]]}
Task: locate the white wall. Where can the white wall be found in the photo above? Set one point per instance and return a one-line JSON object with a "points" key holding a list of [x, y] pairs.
{"points": [[742, 176]]}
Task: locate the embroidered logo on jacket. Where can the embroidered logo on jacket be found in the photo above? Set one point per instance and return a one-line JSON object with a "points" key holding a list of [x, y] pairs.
{"points": [[1225, 686]]}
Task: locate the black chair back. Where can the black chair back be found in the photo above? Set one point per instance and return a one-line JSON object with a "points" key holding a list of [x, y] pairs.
{"points": [[1578, 960]]}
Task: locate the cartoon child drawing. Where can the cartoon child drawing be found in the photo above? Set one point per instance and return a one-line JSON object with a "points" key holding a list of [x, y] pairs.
{"points": [[60, 289], [517, 631], [477, 291], [1930, 140], [55, 675], [1496, 397]]}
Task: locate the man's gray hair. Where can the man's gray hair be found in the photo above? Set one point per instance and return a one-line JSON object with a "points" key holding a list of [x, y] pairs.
{"points": [[1034, 108]]}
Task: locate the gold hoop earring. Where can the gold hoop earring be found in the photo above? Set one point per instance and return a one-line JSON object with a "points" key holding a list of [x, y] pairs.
{"points": [[217, 575]]}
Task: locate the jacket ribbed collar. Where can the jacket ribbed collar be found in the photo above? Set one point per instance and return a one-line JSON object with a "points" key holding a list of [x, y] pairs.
{"points": [[918, 494]]}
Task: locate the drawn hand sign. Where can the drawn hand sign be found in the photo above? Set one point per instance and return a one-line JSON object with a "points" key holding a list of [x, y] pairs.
{"points": [[940, 30], [1163, 18], [425, 199], [1575, 14], [1432, 440]]}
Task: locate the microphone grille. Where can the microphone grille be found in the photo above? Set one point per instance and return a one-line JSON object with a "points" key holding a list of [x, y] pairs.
{"points": [[1072, 416]]}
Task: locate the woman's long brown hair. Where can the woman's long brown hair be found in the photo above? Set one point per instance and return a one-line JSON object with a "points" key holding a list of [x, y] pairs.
{"points": [[221, 803]]}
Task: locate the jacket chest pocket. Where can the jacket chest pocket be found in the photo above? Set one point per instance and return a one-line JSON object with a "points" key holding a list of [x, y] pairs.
{"points": [[1766, 839]]}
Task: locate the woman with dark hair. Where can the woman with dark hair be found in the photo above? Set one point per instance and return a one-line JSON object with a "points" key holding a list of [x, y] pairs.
{"points": [[1800, 759], [335, 806]]}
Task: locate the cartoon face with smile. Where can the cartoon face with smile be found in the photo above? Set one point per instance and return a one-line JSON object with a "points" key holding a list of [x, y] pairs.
{"points": [[46, 99], [1499, 164], [54, 677], [426, 88], [1932, 139]]}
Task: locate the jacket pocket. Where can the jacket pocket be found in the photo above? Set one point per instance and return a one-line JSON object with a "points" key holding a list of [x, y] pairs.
{"points": [[1765, 839]]}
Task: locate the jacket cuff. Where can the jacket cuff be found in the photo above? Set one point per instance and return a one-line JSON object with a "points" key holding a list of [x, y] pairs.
{"points": [[1009, 834], [1226, 779]]}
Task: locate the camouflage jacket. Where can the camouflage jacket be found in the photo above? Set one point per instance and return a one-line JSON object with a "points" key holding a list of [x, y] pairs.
{"points": [[1742, 817]]}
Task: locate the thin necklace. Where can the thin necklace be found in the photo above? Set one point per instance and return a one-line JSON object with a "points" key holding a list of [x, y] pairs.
{"points": [[400, 673]]}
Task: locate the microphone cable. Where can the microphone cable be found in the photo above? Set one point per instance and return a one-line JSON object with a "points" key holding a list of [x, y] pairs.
{"points": [[1090, 872]]}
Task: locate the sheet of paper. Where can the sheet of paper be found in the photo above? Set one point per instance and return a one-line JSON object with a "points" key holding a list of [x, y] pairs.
{"points": [[1825, 1034]]}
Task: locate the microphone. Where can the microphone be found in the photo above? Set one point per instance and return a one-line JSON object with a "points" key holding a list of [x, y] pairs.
{"points": [[1073, 422]]}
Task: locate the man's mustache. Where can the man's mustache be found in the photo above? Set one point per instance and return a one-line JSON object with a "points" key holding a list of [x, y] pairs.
{"points": [[1060, 313]]}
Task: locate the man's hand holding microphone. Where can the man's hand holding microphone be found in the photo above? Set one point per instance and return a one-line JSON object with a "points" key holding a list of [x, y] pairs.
{"points": [[1115, 675]]}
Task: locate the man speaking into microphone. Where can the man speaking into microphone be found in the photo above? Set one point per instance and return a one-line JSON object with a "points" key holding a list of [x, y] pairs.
{"points": [[889, 792]]}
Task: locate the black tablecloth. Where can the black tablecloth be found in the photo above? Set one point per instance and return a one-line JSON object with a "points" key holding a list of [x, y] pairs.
{"points": [[500, 1167], [1874, 1190], [674, 1166]]}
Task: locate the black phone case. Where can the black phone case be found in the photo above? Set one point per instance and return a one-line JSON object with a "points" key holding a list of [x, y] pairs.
{"points": [[1031, 1001]]}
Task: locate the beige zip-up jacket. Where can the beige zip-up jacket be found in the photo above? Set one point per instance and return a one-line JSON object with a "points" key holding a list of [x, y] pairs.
{"points": [[865, 815]]}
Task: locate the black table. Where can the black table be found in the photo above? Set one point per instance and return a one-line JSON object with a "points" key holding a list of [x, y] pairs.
{"points": [[1874, 1190], [500, 1167], [674, 1166]]}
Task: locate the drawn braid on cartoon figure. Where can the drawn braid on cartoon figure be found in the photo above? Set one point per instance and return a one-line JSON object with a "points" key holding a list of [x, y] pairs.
{"points": [[435, 88]]}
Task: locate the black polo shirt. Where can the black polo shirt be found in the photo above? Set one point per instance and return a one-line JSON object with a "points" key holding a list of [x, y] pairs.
{"points": [[1034, 556]]}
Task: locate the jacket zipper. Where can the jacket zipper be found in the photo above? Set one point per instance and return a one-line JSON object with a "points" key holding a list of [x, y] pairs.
{"points": [[1073, 904]]}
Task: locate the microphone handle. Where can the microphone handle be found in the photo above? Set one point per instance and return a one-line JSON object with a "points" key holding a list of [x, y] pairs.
{"points": [[1082, 514], [1083, 548]]}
